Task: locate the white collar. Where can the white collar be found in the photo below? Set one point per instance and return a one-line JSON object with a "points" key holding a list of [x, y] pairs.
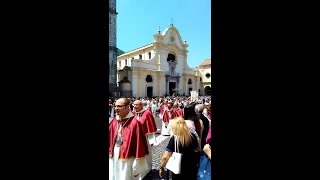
{"points": [[129, 115], [141, 110]]}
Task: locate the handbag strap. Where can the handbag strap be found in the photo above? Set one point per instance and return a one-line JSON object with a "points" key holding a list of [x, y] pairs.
{"points": [[176, 147]]}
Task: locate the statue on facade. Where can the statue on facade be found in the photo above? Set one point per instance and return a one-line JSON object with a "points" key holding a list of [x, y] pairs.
{"points": [[172, 66]]}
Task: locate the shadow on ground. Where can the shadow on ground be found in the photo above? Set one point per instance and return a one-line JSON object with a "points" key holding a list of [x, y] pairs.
{"points": [[155, 175]]}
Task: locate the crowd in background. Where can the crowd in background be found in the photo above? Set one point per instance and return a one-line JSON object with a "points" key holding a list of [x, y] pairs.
{"points": [[186, 120], [153, 104]]}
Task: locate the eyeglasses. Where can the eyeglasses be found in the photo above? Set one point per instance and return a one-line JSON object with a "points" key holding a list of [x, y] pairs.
{"points": [[119, 106]]}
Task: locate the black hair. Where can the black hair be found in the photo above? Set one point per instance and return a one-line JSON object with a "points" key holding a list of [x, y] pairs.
{"points": [[190, 114]]}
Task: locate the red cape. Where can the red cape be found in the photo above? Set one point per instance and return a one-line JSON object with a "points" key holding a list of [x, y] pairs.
{"points": [[134, 143], [166, 115], [179, 112], [162, 107], [147, 121]]}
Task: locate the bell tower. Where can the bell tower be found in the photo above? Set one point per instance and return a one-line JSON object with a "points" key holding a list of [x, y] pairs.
{"points": [[112, 47]]}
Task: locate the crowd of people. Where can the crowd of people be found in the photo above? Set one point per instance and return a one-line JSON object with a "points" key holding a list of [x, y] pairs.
{"points": [[133, 128], [154, 104]]}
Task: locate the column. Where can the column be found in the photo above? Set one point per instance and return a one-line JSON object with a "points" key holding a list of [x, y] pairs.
{"points": [[184, 84], [194, 83], [167, 85], [134, 83]]}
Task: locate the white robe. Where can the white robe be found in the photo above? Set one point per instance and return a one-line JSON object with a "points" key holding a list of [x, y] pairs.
{"points": [[125, 170], [151, 140]]}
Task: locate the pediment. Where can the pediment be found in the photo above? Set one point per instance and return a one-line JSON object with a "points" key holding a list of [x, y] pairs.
{"points": [[172, 36]]}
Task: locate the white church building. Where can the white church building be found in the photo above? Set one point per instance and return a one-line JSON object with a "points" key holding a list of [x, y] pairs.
{"points": [[161, 68]]}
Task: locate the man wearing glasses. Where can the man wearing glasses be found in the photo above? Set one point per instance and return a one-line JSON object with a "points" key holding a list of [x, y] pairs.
{"points": [[128, 146]]}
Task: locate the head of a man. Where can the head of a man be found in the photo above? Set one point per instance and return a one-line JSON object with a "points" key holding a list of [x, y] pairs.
{"points": [[175, 105], [170, 105], [145, 103], [199, 108], [137, 105], [122, 107]]}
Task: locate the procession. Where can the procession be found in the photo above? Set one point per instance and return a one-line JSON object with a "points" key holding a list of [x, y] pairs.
{"points": [[184, 118], [159, 102]]}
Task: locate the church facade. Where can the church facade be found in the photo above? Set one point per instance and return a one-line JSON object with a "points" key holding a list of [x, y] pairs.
{"points": [[160, 68]]}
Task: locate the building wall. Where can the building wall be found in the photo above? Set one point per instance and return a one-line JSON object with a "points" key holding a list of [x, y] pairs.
{"points": [[158, 65], [204, 70], [135, 55]]}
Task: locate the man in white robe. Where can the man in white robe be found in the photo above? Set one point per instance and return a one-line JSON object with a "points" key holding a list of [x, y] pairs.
{"points": [[147, 120], [128, 146]]}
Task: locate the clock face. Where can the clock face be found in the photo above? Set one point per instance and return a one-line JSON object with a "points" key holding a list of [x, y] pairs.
{"points": [[172, 39]]}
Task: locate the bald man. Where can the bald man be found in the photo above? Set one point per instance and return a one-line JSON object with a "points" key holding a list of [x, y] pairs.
{"points": [[149, 125], [162, 108], [146, 106], [168, 114], [128, 146], [177, 109]]}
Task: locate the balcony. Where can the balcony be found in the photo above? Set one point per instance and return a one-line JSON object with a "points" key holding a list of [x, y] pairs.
{"points": [[175, 74]]}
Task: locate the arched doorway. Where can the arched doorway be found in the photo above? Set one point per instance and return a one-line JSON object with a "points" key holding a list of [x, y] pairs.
{"points": [[207, 91], [172, 86], [190, 89], [149, 87], [149, 91]]}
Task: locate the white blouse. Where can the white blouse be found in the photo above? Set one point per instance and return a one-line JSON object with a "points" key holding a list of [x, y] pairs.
{"points": [[192, 129]]}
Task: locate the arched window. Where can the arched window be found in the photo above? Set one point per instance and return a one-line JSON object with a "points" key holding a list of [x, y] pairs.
{"points": [[189, 81], [140, 56], [149, 55], [149, 78], [171, 57]]}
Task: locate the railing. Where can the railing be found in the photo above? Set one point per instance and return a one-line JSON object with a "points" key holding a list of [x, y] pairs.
{"points": [[170, 74]]}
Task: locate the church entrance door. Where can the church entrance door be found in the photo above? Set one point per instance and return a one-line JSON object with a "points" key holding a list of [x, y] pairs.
{"points": [[207, 90], [190, 89], [172, 85], [149, 91]]}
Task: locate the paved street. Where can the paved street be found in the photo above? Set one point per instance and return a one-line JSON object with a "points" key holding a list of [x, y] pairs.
{"points": [[158, 151]]}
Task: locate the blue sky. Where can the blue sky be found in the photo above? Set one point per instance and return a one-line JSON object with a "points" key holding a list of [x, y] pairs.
{"points": [[138, 21]]}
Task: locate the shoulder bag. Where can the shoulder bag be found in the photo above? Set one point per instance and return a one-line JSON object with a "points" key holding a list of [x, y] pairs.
{"points": [[174, 162]]}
